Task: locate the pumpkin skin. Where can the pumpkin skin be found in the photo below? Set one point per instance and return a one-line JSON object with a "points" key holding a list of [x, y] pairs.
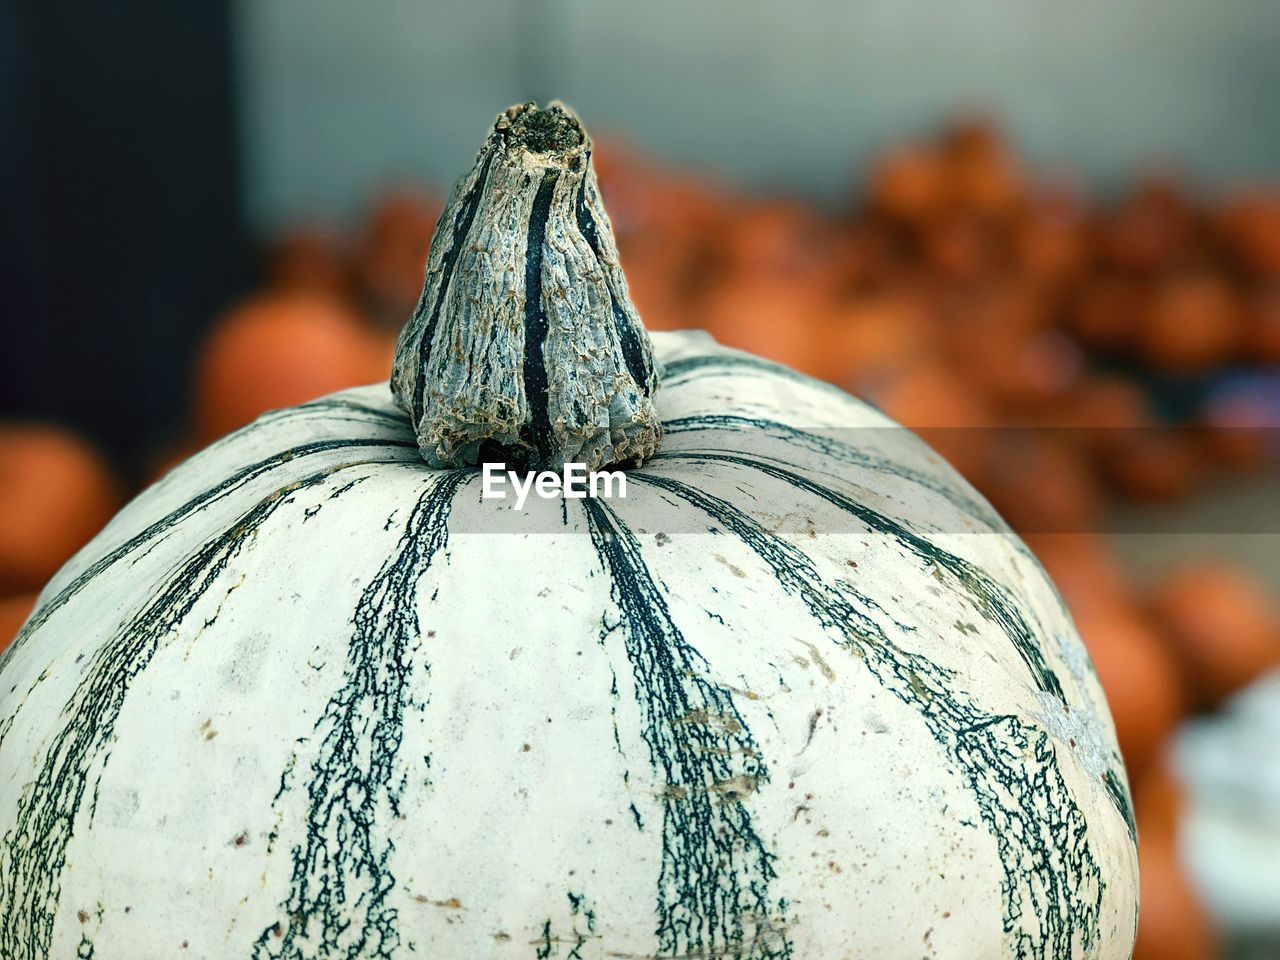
{"points": [[800, 694]]}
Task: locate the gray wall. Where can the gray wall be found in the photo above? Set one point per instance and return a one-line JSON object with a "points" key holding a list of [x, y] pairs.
{"points": [[339, 96]]}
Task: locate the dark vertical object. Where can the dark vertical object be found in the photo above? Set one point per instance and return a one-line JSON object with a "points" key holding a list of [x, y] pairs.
{"points": [[121, 233]]}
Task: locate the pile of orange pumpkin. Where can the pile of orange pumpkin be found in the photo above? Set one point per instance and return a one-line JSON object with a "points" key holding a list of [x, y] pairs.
{"points": [[964, 294]]}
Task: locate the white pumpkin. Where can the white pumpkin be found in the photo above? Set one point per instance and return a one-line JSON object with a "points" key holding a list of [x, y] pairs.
{"points": [[798, 694]]}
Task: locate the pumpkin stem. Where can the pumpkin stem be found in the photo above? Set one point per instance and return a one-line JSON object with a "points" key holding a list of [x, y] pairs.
{"points": [[524, 347]]}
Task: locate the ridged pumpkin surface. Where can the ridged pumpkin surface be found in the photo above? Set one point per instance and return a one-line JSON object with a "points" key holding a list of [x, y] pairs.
{"points": [[798, 695]]}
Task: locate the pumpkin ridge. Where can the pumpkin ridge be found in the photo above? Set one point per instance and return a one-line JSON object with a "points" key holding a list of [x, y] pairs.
{"points": [[242, 476], [340, 852], [33, 852], [970, 736], [840, 450], [368, 416], [340, 402], [713, 885], [987, 596], [687, 368]]}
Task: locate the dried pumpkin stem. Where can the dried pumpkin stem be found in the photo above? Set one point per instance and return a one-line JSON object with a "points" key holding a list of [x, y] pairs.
{"points": [[524, 347]]}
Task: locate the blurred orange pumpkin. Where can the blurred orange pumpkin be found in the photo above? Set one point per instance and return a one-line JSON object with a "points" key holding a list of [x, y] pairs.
{"points": [[1105, 313], [1159, 799], [1153, 230], [1172, 919], [1050, 239], [960, 247], [1249, 223], [1084, 568], [1191, 323], [983, 175], [939, 405], [869, 337], [789, 240], [1262, 326], [56, 492], [308, 257], [1141, 680], [1101, 413], [391, 260], [13, 613], [1222, 623], [659, 286], [1156, 464], [768, 316], [278, 350], [1020, 369], [908, 184], [1039, 483]]}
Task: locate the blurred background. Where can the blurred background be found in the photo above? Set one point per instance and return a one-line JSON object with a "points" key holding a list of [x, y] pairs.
{"points": [[1046, 237]]}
